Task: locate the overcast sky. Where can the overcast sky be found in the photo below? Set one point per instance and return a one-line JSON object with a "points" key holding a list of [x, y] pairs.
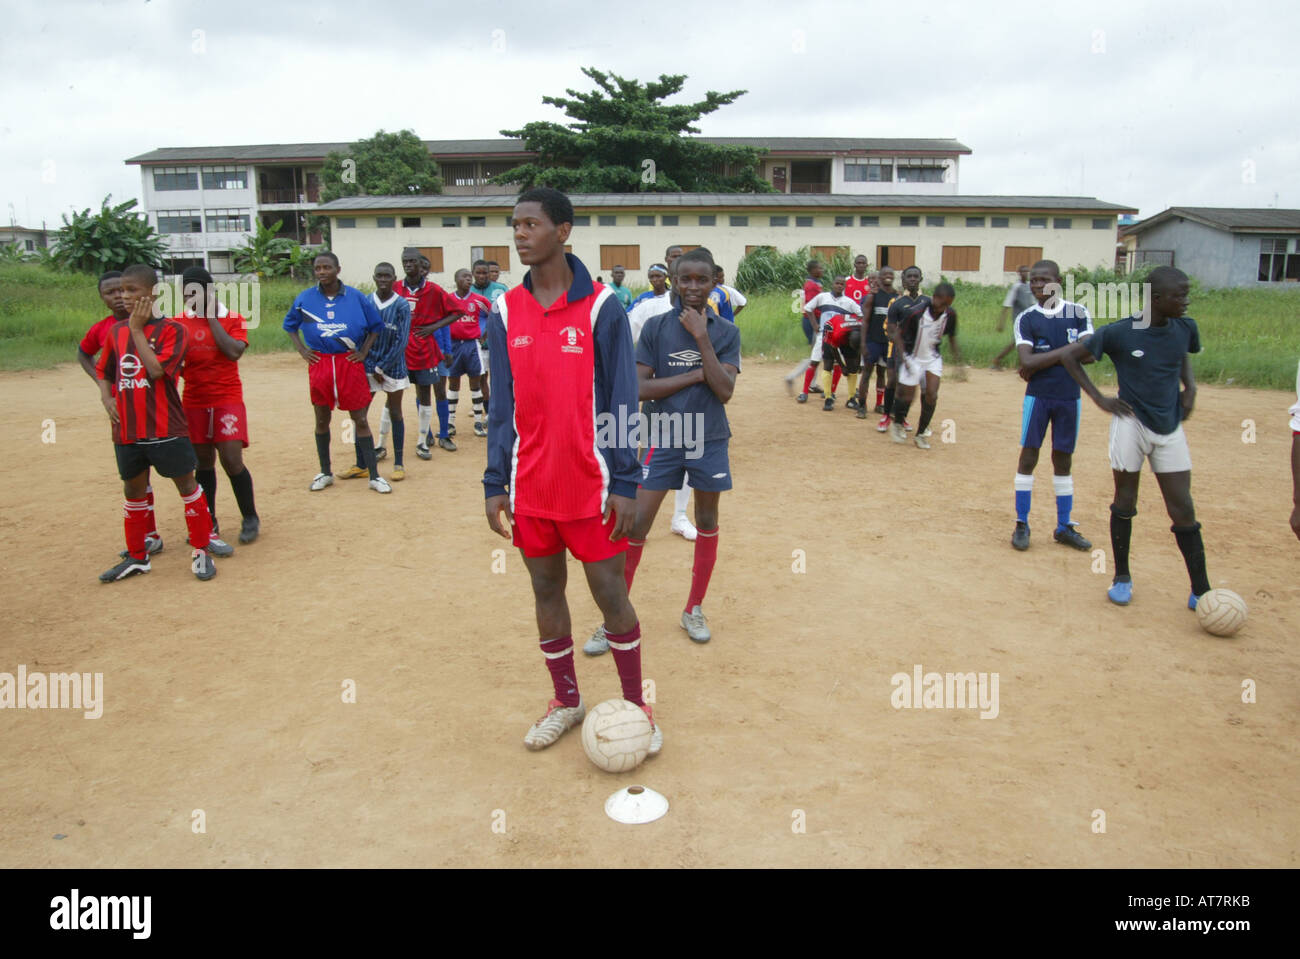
{"points": [[1146, 104]]}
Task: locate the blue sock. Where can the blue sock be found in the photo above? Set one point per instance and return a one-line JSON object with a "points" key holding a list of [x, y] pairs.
{"points": [[443, 421], [399, 438], [1063, 486], [1024, 493]]}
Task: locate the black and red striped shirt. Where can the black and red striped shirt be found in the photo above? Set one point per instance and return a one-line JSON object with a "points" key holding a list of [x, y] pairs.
{"points": [[146, 410]]}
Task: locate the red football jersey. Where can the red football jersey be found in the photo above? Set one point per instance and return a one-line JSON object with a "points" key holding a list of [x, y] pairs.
{"points": [[428, 305], [476, 308], [810, 289], [146, 410], [211, 378], [94, 339], [860, 290]]}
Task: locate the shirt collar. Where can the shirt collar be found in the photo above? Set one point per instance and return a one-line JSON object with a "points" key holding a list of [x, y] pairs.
{"points": [[342, 290], [221, 311], [579, 289]]}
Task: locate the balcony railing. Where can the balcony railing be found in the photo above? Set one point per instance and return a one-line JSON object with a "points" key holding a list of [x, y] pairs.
{"points": [[804, 187], [281, 195]]}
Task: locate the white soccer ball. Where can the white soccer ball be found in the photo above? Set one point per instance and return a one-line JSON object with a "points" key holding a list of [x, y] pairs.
{"points": [[1221, 612], [616, 735]]}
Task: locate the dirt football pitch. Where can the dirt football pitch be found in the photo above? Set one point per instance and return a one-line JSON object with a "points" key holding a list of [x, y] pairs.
{"points": [[1122, 737]]}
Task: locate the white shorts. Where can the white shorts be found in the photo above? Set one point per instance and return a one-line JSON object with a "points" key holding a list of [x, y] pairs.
{"points": [[1131, 442], [911, 372], [389, 385], [816, 354]]}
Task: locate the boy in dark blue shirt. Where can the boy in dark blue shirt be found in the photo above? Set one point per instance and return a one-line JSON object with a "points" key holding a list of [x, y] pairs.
{"points": [[1151, 356]]}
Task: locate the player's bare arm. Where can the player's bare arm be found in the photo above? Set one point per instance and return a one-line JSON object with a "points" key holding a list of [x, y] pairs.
{"points": [[231, 348], [87, 363], [106, 397], [1295, 484], [716, 376], [624, 510], [311, 358], [1188, 395], [429, 328], [1031, 362], [1070, 360], [495, 506], [651, 387], [140, 315], [359, 355]]}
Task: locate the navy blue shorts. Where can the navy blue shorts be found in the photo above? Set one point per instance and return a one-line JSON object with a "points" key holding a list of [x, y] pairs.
{"points": [[424, 377], [464, 358], [808, 330], [665, 468], [1064, 415], [876, 353]]}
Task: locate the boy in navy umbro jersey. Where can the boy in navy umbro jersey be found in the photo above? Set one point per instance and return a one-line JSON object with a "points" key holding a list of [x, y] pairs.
{"points": [[560, 350], [340, 325], [1052, 397], [1151, 353]]}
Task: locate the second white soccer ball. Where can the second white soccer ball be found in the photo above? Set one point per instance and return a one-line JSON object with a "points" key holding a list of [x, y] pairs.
{"points": [[616, 735]]}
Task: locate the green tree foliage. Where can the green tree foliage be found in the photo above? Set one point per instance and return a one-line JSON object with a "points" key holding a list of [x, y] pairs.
{"points": [[387, 164], [624, 139], [267, 254], [766, 270], [111, 239]]}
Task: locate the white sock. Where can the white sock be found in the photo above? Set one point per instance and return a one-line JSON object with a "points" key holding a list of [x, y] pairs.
{"points": [[385, 426], [426, 420], [1063, 485], [682, 499], [476, 397], [452, 397]]}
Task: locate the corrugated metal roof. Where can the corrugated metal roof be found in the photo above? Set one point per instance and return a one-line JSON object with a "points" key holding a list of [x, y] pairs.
{"points": [[765, 201], [305, 152], [1232, 219]]}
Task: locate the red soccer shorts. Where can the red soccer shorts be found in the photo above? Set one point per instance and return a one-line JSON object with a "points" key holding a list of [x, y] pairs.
{"points": [[338, 383], [217, 424], [587, 539]]}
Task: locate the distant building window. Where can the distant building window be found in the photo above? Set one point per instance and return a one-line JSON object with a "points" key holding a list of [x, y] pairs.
{"points": [[923, 169], [739, 221], [451, 221], [408, 222], [844, 221], [228, 221], [1279, 259], [510, 222], [1062, 223], [179, 221], [645, 219], [960, 259], [909, 221], [803, 221], [609, 219], [584, 220], [225, 178], [347, 222], [868, 221], [386, 222], [668, 219], [1038, 223], [778, 221], [934, 221], [175, 178], [1000, 222], [1101, 223], [478, 221], [868, 171], [708, 219], [974, 221]]}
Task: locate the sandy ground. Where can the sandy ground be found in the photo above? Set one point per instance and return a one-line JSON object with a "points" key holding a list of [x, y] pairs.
{"points": [[782, 746]]}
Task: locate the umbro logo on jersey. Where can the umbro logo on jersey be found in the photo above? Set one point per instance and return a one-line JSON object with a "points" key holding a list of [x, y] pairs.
{"points": [[521, 341], [1138, 353], [684, 357]]}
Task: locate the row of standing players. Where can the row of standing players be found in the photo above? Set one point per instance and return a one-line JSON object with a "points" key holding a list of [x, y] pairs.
{"points": [[1054, 339]]}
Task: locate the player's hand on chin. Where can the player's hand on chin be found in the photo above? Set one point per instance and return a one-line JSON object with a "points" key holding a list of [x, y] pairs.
{"points": [[624, 509], [694, 321], [141, 313], [495, 506]]}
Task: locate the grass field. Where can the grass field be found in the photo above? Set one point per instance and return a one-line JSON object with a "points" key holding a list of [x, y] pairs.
{"points": [[1250, 337]]}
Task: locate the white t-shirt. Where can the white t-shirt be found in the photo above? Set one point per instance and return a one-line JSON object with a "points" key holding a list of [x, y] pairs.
{"points": [[645, 309], [1295, 410], [927, 338], [737, 298]]}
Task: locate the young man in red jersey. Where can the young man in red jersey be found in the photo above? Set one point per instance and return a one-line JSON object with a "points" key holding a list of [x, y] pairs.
{"points": [[466, 357], [428, 303], [137, 370], [110, 291], [812, 287], [562, 360], [214, 401]]}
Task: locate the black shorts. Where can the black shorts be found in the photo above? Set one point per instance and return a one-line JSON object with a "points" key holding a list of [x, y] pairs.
{"points": [[847, 357], [170, 458]]}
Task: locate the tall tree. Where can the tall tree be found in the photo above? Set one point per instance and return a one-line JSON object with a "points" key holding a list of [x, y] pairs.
{"points": [[624, 139], [386, 164], [111, 239]]}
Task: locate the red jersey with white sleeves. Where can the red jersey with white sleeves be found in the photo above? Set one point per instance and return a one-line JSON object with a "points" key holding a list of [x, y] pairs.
{"points": [[429, 304], [146, 409], [211, 377], [858, 290], [562, 422], [476, 308]]}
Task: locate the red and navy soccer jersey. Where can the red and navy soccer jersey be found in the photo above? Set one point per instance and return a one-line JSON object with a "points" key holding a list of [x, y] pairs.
{"points": [[428, 305], [563, 417], [475, 308], [1044, 331], [146, 409]]}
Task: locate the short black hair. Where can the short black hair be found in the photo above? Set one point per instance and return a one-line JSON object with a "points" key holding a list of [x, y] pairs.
{"points": [[462, 270], [411, 253], [424, 260], [109, 275], [909, 269], [839, 276], [477, 263], [494, 263], [387, 264], [945, 289], [697, 255], [196, 274], [1047, 265], [617, 267], [1164, 278], [326, 253], [670, 247], [554, 204], [811, 263], [141, 272]]}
